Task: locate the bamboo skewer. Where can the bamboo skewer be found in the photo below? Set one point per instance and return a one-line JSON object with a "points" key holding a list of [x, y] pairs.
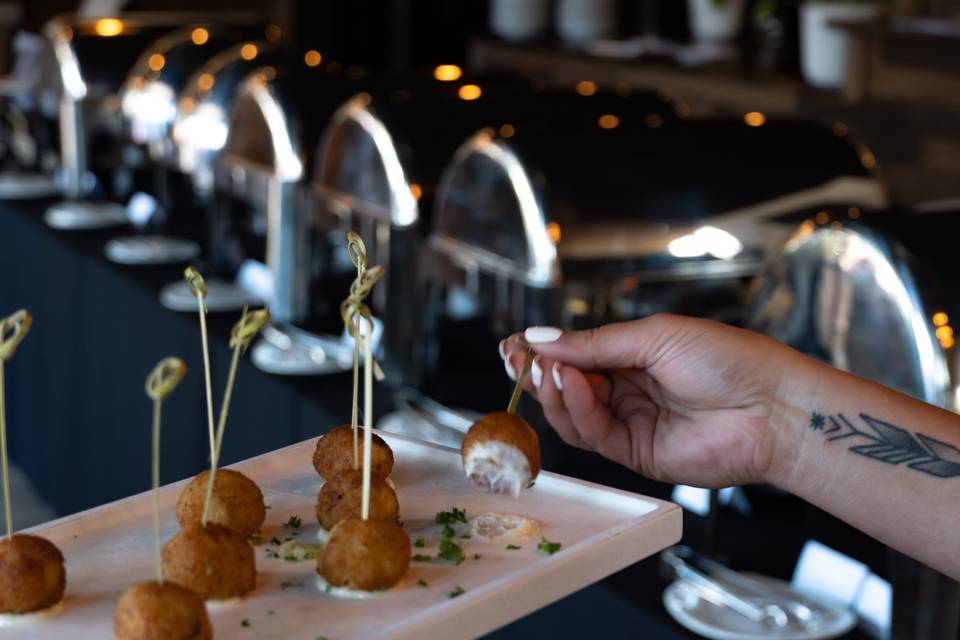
{"points": [[160, 383], [518, 387], [198, 288], [13, 329], [367, 420]]}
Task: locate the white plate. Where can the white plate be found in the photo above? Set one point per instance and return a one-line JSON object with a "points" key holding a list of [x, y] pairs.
{"points": [[288, 351], [151, 250], [221, 297], [602, 531], [80, 215], [721, 623], [24, 186]]}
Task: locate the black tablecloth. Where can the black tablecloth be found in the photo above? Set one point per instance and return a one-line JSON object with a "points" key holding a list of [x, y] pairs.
{"points": [[79, 420]]}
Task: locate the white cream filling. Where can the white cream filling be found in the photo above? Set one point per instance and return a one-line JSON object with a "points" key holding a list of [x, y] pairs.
{"points": [[20, 619], [322, 534], [503, 527], [344, 592], [498, 467], [219, 605]]}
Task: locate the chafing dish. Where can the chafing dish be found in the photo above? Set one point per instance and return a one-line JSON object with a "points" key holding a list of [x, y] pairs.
{"points": [[617, 223], [381, 158]]}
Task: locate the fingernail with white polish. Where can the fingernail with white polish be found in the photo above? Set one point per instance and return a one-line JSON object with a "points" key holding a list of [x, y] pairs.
{"points": [[556, 376], [542, 334], [509, 367], [536, 372], [502, 348]]}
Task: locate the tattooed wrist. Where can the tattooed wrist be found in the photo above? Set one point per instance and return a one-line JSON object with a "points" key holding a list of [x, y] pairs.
{"points": [[887, 443]]}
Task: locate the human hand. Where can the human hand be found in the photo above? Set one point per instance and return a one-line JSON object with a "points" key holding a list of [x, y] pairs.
{"points": [[676, 399]]}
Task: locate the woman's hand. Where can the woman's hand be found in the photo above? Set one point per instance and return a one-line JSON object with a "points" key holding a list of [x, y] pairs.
{"points": [[676, 399]]}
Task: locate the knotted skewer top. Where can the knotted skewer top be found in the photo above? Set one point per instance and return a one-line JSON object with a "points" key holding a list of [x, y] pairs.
{"points": [[354, 306], [13, 329], [165, 377]]}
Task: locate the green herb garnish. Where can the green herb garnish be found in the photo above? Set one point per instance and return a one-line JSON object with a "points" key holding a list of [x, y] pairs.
{"points": [[256, 539], [244, 623], [513, 547], [450, 550], [422, 558], [466, 536], [272, 554], [419, 543], [548, 547], [448, 531], [449, 517], [327, 589], [293, 522], [287, 585], [477, 556], [422, 583], [275, 541], [456, 593]]}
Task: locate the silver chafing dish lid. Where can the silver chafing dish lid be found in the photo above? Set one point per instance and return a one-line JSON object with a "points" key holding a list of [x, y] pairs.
{"points": [[384, 151], [670, 200], [853, 296]]}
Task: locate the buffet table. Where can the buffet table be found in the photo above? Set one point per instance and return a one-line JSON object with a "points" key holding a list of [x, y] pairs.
{"points": [[79, 421]]}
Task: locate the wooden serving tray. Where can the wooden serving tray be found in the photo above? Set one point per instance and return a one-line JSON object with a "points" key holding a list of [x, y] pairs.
{"points": [[602, 530]]}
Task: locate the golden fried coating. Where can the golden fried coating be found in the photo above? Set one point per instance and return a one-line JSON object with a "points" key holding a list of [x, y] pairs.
{"points": [[213, 561], [340, 497], [480, 449], [369, 555], [154, 611], [236, 503], [334, 453], [32, 576]]}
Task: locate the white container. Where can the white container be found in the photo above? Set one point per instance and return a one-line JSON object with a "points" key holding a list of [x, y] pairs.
{"points": [[824, 49], [519, 20], [580, 21], [713, 22]]}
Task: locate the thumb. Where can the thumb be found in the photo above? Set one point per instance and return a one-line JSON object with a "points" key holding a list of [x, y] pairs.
{"points": [[633, 344]]}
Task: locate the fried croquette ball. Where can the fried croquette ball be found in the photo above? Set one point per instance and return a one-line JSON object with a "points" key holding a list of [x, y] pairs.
{"points": [[213, 561], [236, 503], [501, 453], [32, 576], [368, 555], [334, 453], [340, 497], [154, 611]]}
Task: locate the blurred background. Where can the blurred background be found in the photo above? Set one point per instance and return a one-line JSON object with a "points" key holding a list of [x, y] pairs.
{"points": [[789, 166]]}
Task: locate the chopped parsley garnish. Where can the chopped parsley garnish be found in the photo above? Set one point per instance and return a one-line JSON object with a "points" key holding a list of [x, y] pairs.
{"points": [[270, 612], [327, 589], [449, 517], [548, 547], [422, 583], [450, 550], [456, 593], [419, 543], [448, 531], [513, 547], [466, 536], [272, 554], [256, 539], [275, 540], [477, 556], [422, 558], [293, 522], [244, 623], [290, 557], [288, 585]]}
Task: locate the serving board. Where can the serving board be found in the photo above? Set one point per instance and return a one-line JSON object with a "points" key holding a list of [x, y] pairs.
{"points": [[602, 530]]}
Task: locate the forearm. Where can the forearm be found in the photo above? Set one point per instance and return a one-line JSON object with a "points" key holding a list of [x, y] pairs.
{"points": [[884, 462]]}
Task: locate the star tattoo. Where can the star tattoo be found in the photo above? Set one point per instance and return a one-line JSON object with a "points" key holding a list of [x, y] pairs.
{"points": [[817, 421]]}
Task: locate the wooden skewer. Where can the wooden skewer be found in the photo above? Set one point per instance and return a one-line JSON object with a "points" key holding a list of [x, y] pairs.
{"points": [[367, 420], [240, 338], [518, 388], [198, 287], [354, 420], [160, 383], [17, 325]]}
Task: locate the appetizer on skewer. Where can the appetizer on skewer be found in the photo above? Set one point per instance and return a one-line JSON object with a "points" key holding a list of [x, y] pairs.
{"points": [[335, 453], [157, 609], [362, 553], [209, 558], [32, 576], [236, 501], [501, 452]]}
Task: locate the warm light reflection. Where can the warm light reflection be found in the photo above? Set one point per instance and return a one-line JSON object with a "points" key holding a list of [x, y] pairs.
{"points": [[416, 190], [682, 110], [553, 232], [608, 121], [822, 217], [586, 87], [940, 319], [754, 119], [469, 92], [946, 343], [156, 62], [806, 228], [108, 27], [248, 51], [205, 81], [312, 58], [447, 72], [507, 130], [273, 32], [868, 160], [945, 332], [853, 212], [199, 36]]}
